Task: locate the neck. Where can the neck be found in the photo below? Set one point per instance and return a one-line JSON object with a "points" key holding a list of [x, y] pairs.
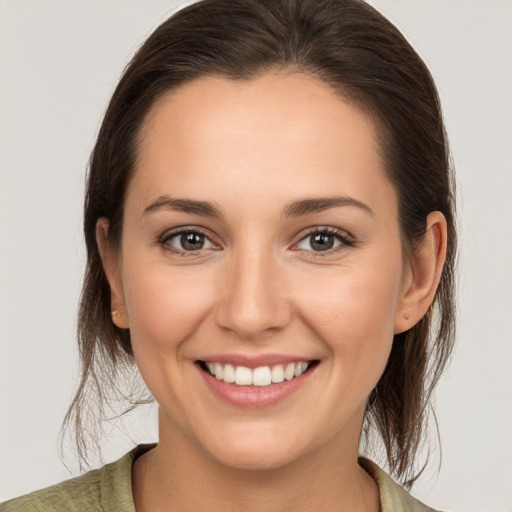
{"points": [[177, 475]]}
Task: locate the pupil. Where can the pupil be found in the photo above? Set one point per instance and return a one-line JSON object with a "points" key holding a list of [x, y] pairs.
{"points": [[322, 242], [192, 241]]}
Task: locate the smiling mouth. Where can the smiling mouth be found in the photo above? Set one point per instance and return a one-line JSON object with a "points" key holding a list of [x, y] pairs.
{"points": [[259, 377]]}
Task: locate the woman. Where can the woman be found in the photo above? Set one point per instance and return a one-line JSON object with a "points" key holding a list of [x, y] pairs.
{"points": [[270, 230]]}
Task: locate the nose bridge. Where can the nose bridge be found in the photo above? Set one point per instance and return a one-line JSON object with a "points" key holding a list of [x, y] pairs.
{"points": [[254, 299]]}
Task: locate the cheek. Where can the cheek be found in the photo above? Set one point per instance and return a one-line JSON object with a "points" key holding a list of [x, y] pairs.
{"points": [[353, 312], [165, 308]]}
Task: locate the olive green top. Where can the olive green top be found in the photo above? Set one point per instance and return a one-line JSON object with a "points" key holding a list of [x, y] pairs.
{"points": [[109, 489]]}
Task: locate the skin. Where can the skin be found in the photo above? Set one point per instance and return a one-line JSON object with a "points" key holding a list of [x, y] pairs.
{"points": [[252, 148]]}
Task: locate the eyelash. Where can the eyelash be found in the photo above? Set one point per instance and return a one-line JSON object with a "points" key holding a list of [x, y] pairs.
{"points": [[163, 241], [346, 241]]}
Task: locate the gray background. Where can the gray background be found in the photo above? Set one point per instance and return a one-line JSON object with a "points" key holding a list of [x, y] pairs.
{"points": [[59, 62]]}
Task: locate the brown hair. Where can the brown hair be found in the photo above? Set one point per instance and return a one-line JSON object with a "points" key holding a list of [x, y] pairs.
{"points": [[362, 56]]}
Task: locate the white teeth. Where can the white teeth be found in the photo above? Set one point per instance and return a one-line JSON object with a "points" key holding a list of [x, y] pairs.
{"points": [[261, 376], [277, 373], [243, 376], [289, 371], [228, 374]]}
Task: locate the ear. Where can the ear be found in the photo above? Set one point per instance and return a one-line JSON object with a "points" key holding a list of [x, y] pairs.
{"points": [[111, 260], [422, 274]]}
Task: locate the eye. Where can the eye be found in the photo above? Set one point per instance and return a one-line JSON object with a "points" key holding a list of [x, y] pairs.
{"points": [[188, 241], [324, 240]]}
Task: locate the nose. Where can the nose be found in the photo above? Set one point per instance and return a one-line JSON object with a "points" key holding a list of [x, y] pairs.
{"points": [[253, 301]]}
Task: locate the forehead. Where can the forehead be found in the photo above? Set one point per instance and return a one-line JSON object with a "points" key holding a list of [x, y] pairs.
{"points": [[218, 106], [276, 131]]}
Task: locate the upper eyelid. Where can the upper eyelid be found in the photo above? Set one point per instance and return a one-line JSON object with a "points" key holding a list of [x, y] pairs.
{"points": [[184, 229], [171, 233], [163, 240], [305, 232], [329, 230], [340, 233], [326, 229]]}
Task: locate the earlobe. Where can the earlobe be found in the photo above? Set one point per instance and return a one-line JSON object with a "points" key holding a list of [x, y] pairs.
{"points": [[424, 274], [112, 267]]}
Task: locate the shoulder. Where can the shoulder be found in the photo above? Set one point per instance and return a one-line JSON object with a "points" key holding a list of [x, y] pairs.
{"points": [[83, 492], [106, 488], [394, 498]]}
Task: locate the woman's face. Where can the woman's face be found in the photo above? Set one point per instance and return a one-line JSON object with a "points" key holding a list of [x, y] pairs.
{"points": [[260, 232]]}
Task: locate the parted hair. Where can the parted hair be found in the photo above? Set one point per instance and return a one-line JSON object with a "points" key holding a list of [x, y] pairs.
{"points": [[366, 60]]}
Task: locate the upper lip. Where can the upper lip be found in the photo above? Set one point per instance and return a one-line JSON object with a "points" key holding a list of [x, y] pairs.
{"points": [[254, 360]]}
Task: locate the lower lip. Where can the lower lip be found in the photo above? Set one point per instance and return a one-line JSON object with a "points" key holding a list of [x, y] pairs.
{"points": [[255, 396]]}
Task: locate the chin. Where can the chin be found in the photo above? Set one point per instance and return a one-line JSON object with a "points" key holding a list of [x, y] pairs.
{"points": [[256, 449], [254, 459]]}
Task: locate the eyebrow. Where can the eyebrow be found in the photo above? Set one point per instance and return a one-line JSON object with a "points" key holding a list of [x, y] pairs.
{"points": [[295, 209], [203, 208], [319, 204]]}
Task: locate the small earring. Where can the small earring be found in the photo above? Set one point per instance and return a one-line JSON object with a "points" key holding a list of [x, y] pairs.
{"points": [[115, 315]]}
